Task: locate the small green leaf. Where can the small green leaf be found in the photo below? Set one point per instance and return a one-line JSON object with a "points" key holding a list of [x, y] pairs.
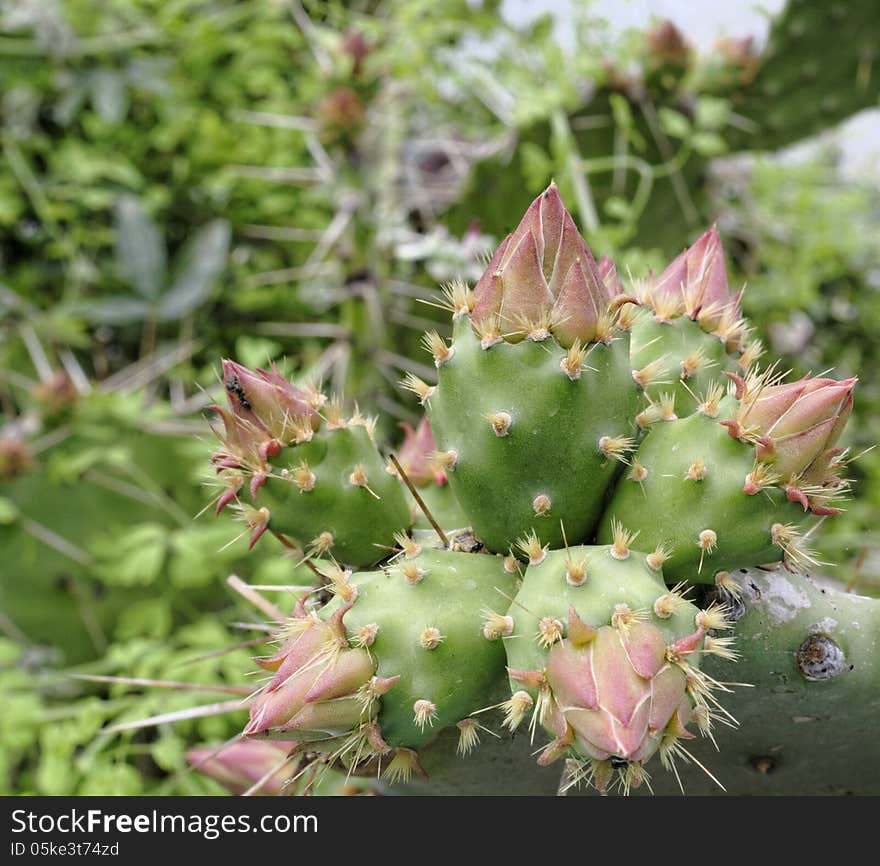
{"points": [[708, 143], [8, 511], [140, 248], [674, 123], [711, 113], [200, 264]]}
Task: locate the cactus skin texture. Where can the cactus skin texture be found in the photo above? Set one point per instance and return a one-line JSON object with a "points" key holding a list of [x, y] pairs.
{"points": [[535, 403], [687, 330], [398, 655], [728, 486], [311, 473], [551, 448], [606, 658]]}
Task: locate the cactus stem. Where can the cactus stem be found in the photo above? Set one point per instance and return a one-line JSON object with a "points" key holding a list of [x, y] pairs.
{"points": [[622, 540], [424, 713], [430, 637], [436, 346], [500, 422], [496, 625]]}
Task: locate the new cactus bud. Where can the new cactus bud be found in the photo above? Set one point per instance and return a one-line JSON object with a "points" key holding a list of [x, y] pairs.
{"points": [[620, 680], [315, 476], [729, 487], [538, 371], [246, 764], [382, 674]]}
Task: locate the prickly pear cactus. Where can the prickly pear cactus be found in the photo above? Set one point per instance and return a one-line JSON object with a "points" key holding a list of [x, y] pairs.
{"points": [[594, 453], [729, 485], [607, 659], [536, 355], [314, 477], [398, 656]]}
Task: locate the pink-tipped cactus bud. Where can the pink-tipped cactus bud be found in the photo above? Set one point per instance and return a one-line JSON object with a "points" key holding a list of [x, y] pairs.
{"points": [[415, 455], [618, 692], [56, 393], [266, 401], [668, 46], [241, 765], [696, 280], [318, 682], [543, 273], [795, 425]]}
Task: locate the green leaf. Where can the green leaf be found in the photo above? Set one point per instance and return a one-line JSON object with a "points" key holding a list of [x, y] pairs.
{"points": [[708, 143], [674, 123], [140, 248], [109, 95], [200, 264], [131, 558], [8, 511], [711, 113], [255, 351], [115, 310]]}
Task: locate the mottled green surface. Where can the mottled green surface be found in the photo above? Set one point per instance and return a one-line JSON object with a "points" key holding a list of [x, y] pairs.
{"points": [[667, 344], [667, 508], [458, 674], [551, 447], [361, 520]]}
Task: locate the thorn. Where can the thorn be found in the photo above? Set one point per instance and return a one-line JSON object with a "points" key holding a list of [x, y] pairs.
{"points": [[437, 347], [550, 631], [500, 422], [424, 713], [541, 504], [419, 501], [531, 546], [496, 625], [430, 637], [622, 539], [655, 560]]}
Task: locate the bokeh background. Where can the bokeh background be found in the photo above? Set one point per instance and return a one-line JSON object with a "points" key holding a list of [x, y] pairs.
{"points": [[291, 181]]}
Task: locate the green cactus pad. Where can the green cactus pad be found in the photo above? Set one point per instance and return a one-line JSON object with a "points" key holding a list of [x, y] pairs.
{"points": [[463, 668], [668, 509], [551, 448], [666, 345], [360, 518], [545, 592]]}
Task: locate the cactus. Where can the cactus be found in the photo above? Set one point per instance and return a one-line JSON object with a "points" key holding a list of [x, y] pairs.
{"points": [[536, 353], [728, 486], [548, 436], [607, 659], [320, 480], [398, 656]]}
